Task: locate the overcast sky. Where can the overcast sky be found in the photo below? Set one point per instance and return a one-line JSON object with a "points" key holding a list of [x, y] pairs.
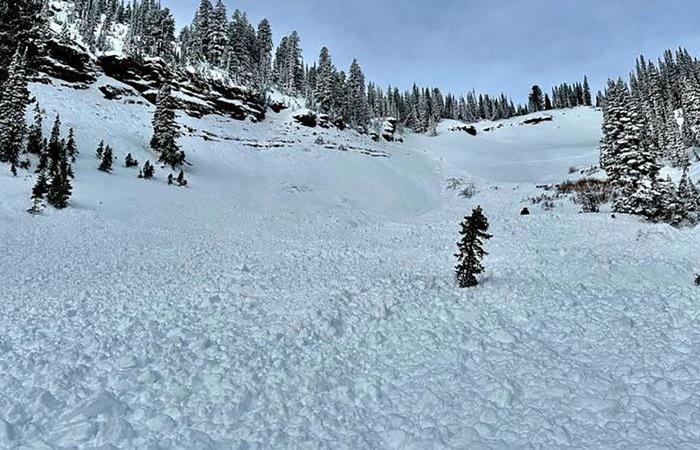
{"points": [[489, 45]]}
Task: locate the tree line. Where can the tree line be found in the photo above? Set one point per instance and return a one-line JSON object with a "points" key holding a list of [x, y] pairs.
{"points": [[650, 121]]}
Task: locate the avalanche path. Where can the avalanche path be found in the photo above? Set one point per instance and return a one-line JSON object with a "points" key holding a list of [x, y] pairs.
{"points": [[303, 297]]}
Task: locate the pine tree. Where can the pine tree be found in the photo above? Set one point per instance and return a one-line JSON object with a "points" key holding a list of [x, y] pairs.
{"points": [[325, 83], [35, 138], [71, 146], [13, 103], [107, 159], [21, 24], [129, 161], [587, 99], [181, 179], [264, 54], [471, 248], [59, 169], [165, 130], [148, 171], [358, 104], [201, 31], [535, 98], [100, 150], [40, 189], [626, 157], [218, 44], [243, 44]]}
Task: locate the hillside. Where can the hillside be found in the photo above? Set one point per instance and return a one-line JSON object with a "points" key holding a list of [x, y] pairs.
{"points": [[300, 294]]}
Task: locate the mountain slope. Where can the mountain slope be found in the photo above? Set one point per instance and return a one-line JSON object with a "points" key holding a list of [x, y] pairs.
{"points": [[301, 295]]}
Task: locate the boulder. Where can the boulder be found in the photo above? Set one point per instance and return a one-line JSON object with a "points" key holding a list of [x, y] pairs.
{"points": [[115, 93], [305, 117], [538, 120], [277, 106], [469, 129], [324, 121], [525, 212]]}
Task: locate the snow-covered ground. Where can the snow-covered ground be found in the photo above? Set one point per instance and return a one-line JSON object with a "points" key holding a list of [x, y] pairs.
{"points": [[301, 295]]}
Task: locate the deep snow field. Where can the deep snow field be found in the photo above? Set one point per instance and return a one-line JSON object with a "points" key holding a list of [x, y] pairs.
{"points": [[296, 295]]}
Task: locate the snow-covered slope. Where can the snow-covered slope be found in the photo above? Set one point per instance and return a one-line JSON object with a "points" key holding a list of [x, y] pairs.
{"points": [[300, 295]]}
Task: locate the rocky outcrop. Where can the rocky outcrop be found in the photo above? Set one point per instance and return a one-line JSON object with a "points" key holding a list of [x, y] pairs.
{"points": [[388, 131], [538, 120], [66, 61], [469, 129], [196, 95], [116, 93], [305, 117]]}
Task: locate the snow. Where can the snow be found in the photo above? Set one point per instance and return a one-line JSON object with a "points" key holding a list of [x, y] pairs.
{"points": [[296, 296]]}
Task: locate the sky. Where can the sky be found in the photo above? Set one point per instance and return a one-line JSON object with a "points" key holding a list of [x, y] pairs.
{"points": [[492, 46]]}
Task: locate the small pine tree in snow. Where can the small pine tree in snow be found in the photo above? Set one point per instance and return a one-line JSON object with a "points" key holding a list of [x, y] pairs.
{"points": [[181, 179], [148, 171], [71, 146], [100, 150], [129, 161], [40, 189], [165, 130], [107, 160], [35, 138], [59, 169], [471, 248]]}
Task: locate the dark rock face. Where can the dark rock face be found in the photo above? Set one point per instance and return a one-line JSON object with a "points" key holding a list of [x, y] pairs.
{"points": [[538, 120], [193, 94], [306, 118], [115, 93], [65, 61], [469, 129], [324, 121]]}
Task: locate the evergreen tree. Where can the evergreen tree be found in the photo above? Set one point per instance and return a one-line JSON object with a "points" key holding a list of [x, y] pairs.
{"points": [[129, 161], [536, 100], [100, 150], [218, 44], [325, 83], [165, 130], [181, 179], [35, 139], [587, 99], [201, 30], [107, 159], [630, 164], [21, 24], [71, 146], [148, 171], [471, 248], [13, 103], [547, 102], [264, 53], [59, 169], [242, 50], [359, 114], [40, 189]]}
